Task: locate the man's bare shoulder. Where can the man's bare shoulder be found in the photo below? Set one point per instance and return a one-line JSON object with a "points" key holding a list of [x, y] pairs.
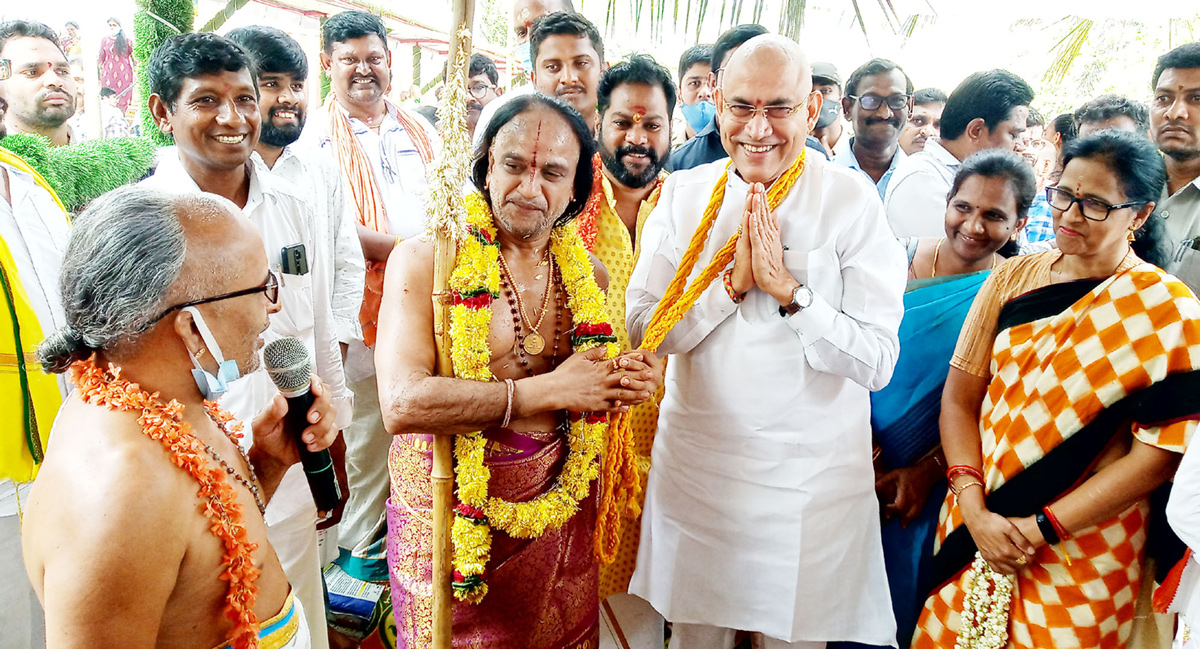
{"points": [[415, 251], [102, 473]]}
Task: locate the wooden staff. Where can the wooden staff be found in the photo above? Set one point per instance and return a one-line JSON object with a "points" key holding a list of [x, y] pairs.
{"points": [[446, 230]]}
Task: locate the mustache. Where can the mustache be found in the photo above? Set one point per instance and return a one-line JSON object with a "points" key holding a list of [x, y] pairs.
{"points": [[1178, 123], [631, 149], [565, 89], [289, 107], [895, 121], [527, 204]]}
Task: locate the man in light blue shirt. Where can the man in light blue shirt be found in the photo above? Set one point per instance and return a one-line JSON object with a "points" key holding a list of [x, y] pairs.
{"points": [[878, 102]]}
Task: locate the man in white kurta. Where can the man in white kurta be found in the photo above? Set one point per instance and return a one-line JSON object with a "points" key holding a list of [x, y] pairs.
{"points": [[760, 511]]}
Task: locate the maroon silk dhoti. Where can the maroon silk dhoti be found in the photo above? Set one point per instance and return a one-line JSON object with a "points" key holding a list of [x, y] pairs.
{"points": [[542, 593]]}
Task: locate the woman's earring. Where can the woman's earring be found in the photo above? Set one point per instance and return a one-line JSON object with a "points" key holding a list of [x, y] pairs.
{"points": [[199, 353], [1132, 235]]}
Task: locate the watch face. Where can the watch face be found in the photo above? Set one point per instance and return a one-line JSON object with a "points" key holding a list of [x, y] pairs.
{"points": [[802, 297]]}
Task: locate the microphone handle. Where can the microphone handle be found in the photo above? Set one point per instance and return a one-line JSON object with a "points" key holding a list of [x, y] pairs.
{"points": [[318, 467]]}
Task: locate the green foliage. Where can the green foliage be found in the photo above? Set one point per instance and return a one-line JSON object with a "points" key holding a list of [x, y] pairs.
{"points": [[154, 22], [81, 172]]}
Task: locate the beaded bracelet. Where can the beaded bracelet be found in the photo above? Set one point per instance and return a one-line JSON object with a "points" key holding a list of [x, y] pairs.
{"points": [[959, 490], [728, 281]]}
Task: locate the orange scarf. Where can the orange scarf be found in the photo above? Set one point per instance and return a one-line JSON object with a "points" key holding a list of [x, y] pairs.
{"points": [[368, 204]]}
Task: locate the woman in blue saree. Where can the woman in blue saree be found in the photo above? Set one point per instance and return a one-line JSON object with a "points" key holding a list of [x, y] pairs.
{"points": [[987, 205]]}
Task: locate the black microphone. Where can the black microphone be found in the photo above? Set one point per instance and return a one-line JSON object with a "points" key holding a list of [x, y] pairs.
{"points": [[287, 362]]}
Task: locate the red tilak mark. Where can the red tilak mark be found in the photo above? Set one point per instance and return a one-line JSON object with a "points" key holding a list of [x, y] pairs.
{"points": [[533, 165], [638, 113]]}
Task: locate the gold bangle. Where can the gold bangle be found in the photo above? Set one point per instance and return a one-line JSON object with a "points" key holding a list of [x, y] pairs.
{"points": [[959, 490]]}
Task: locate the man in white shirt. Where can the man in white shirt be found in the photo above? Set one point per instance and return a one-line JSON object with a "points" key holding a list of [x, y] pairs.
{"points": [[380, 152], [205, 96], [986, 111], [283, 104], [878, 101], [34, 231], [760, 508]]}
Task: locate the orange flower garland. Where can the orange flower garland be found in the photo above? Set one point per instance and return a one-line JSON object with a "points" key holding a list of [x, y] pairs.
{"points": [[586, 222], [164, 423]]}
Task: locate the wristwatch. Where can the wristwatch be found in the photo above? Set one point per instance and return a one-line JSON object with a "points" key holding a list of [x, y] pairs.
{"points": [[802, 297]]}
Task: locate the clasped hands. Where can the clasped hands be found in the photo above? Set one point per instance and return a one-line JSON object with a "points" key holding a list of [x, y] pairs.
{"points": [[1007, 544], [758, 259], [587, 382]]}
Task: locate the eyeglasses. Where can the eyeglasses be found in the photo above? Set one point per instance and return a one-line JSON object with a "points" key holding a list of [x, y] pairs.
{"points": [[1091, 208], [478, 90], [5, 69], [745, 112], [270, 288], [873, 102]]}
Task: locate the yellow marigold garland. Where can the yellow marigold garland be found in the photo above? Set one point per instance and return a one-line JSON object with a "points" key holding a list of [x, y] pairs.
{"points": [[164, 422], [474, 284], [620, 484]]}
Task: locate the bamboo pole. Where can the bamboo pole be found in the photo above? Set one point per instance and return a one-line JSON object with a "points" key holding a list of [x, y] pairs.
{"points": [[449, 178]]}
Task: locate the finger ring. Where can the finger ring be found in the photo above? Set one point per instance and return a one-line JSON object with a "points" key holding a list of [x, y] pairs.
{"points": [[1022, 561]]}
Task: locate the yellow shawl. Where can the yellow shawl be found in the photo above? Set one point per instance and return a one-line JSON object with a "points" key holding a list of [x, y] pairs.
{"points": [[29, 398]]}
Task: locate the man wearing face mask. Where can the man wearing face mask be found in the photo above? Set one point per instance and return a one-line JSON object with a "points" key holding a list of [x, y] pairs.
{"points": [[41, 89], [204, 94], [695, 92], [145, 526], [524, 14], [829, 129], [877, 102]]}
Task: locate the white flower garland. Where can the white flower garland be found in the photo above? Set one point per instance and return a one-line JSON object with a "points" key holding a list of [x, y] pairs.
{"points": [[984, 620]]}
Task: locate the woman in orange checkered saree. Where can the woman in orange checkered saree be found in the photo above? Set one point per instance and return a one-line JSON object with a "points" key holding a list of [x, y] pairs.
{"points": [[1072, 392]]}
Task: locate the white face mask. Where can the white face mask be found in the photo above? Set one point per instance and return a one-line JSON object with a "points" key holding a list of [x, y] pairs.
{"points": [[212, 387]]}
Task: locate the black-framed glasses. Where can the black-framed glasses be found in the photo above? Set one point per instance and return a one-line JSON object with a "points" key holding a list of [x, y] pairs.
{"points": [[873, 102], [478, 90], [1092, 209], [746, 112], [270, 288]]}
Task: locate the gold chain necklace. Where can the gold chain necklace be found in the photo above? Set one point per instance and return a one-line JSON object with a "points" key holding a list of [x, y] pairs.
{"points": [[533, 342], [938, 248]]}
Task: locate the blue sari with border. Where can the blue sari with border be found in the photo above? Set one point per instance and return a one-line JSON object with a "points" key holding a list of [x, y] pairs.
{"points": [[904, 420]]}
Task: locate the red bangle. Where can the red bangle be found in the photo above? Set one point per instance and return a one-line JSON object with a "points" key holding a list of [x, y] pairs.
{"points": [[963, 469], [733, 295], [1063, 534]]}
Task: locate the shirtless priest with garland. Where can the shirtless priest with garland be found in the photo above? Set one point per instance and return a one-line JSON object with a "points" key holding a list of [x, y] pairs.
{"points": [[145, 527], [536, 372]]}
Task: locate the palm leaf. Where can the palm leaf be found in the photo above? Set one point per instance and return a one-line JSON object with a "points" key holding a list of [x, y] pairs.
{"points": [[1067, 50], [791, 18], [861, 23]]}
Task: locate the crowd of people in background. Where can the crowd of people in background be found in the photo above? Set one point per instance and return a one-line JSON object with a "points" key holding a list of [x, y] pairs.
{"points": [[913, 336]]}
